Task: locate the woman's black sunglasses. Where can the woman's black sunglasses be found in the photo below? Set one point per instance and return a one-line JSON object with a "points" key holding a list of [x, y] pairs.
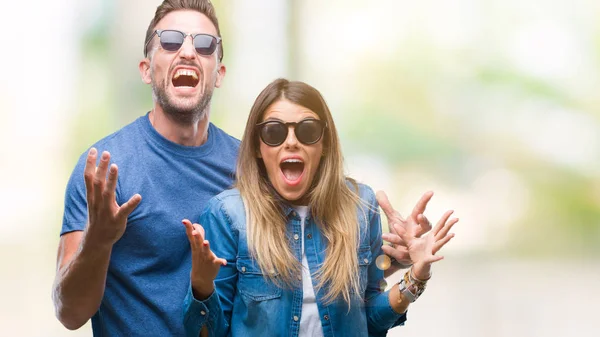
{"points": [[172, 40], [307, 131]]}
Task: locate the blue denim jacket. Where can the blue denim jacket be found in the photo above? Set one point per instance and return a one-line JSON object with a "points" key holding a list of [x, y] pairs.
{"points": [[246, 303]]}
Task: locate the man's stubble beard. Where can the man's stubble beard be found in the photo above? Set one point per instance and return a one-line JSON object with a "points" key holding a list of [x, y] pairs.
{"points": [[181, 115]]}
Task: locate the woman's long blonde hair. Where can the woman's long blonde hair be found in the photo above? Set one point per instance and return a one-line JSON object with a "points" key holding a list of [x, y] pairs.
{"points": [[333, 204]]}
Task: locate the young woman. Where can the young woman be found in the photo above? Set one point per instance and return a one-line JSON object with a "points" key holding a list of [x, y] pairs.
{"points": [[293, 248]]}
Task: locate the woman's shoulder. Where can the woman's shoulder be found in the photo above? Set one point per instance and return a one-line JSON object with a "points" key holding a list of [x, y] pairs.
{"points": [[364, 191], [229, 199], [228, 204]]}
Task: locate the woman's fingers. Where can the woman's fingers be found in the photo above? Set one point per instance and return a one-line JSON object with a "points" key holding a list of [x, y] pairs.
{"points": [[447, 227], [189, 229], [434, 258], [440, 224], [441, 243]]}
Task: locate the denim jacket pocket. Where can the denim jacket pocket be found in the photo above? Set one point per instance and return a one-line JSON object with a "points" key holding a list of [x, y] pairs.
{"points": [[364, 261], [253, 284]]}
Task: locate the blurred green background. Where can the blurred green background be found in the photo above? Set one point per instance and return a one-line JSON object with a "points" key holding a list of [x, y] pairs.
{"points": [[491, 104]]}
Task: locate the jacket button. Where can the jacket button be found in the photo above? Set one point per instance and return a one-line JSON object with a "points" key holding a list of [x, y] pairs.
{"points": [[366, 260], [326, 317], [296, 318], [296, 237], [243, 269], [309, 236]]}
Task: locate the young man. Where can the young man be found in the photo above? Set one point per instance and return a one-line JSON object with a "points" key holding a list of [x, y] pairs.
{"points": [[127, 267]]}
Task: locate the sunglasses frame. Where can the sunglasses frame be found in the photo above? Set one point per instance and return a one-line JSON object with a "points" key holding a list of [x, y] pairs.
{"points": [[260, 126], [158, 33]]}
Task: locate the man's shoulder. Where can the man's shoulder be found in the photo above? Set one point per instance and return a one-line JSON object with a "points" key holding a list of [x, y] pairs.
{"points": [[120, 143], [123, 137], [226, 137]]}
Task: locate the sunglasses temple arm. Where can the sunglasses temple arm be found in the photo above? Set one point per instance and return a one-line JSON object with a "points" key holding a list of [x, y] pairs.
{"points": [[147, 42]]}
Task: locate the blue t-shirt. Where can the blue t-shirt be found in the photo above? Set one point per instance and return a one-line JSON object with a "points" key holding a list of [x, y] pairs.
{"points": [[149, 271]]}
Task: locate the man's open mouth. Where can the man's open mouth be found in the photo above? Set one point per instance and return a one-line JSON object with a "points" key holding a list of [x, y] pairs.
{"points": [[185, 78]]}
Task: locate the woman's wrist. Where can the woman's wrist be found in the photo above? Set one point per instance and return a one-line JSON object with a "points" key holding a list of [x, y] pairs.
{"points": [[202, 290], [421, 271]]}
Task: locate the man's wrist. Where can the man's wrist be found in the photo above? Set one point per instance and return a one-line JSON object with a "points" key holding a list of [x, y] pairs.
{"points": [[91, 242]]}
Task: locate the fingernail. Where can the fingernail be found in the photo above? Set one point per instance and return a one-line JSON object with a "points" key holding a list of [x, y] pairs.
{"points": [[113, 169], [104, 155], [92, 151]]}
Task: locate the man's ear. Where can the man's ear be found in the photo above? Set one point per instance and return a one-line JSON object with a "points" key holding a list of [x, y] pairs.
{"points": [[145, 70], [220, 74]]}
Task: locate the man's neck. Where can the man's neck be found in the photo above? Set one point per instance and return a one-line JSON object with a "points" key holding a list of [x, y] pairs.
{"points": [[194, 134]]}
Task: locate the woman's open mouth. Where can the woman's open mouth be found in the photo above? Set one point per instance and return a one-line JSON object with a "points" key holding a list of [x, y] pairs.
{"points": [[292, 170]]}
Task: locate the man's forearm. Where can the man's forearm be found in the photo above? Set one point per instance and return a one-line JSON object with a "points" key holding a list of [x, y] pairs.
{"points": [[79, 284]]}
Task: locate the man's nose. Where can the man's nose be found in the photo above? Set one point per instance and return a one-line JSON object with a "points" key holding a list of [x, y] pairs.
{"points": [[188, 51]]}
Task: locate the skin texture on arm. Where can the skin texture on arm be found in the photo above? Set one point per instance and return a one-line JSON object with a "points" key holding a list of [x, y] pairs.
{"points": [[83, 257], [80, 279]]}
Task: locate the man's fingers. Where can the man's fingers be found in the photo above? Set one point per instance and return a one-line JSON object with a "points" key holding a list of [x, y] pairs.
{"points": [[421, 204], [100, 176], [400, 254], [424, 224], [393, 238], [128, 207], [111, 186], [386, 206], [401, 232], [440, 243], [440, 224], [88, 175]]}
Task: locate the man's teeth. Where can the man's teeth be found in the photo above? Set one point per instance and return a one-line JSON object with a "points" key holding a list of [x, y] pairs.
{"points": [[186, 72]]}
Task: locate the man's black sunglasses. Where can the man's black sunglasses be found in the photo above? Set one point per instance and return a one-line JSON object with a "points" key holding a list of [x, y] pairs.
{"points": [[172, 40]]}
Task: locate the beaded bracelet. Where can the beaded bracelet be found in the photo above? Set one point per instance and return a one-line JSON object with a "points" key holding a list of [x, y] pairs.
{"points": [[410, 287]]}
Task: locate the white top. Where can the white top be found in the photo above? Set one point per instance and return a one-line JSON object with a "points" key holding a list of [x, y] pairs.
{"points": [[310, 322]]}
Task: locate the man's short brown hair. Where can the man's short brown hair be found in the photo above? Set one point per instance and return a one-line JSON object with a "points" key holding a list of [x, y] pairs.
{"points": [[203, 6]]}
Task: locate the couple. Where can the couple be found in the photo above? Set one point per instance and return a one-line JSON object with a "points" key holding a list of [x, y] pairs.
{"points": [[291, 251]]}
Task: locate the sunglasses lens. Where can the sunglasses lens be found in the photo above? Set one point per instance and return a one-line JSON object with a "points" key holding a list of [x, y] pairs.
{"points": [[205, 44], [171, 40], [273, 133], [309, 131]]}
